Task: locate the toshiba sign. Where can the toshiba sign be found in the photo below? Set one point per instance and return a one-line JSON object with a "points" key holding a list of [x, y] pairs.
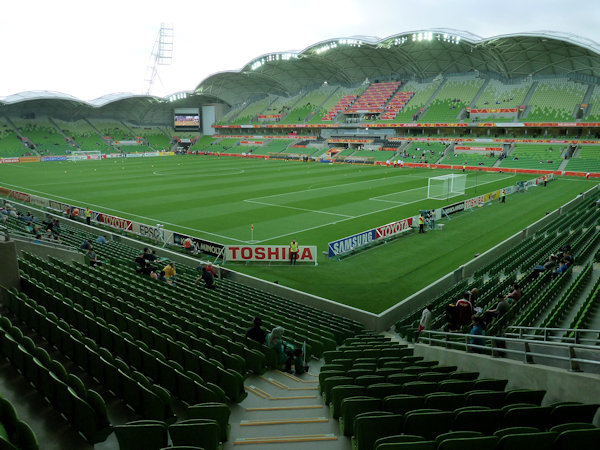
{"points": [[270, 253]]}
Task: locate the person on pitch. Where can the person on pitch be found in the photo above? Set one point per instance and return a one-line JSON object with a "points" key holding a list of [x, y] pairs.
{"points": [[294, 250], [421, 223]]}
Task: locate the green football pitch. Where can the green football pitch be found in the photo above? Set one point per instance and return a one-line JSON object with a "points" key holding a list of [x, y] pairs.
{"points": [[220, 198]]}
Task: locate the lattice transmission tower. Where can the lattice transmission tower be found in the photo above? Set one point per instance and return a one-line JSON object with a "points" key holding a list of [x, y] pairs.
{"points": [[162, 55]]}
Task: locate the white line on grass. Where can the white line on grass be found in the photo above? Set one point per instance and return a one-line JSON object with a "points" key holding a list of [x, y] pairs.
{"points": [[126, 213], [299, 209]]}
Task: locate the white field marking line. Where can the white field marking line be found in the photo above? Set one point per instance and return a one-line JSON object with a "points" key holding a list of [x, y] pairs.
{"points": [[204, 174], [360, 215], [338, 221], [299, 209], [326, 187], [312, 186], [127, 213]]}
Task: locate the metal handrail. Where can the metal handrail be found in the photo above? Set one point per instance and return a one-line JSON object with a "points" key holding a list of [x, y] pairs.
{"points": [[552, 334], [498, 347]]}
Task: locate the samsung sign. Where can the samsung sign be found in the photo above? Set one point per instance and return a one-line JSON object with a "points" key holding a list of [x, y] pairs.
{"points": [[350, 243]]}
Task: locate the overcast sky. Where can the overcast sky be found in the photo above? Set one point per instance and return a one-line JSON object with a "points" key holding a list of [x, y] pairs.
{"points": [[92, 48]]}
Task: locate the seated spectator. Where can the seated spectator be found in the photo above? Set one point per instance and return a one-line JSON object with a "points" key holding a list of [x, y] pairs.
{"points": [[85, 245], [101, 240], [92, 258], [153, 275], [548, 265], [144, 267], [256, 333], [501, 307], [275, 341], [150, 256], [515, 294], [477, 330], [38, 239], [170, 273], [29, 227], [562, 268]]}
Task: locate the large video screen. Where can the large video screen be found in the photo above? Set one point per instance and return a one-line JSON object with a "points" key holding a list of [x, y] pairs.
{"points": [[187, 119]]}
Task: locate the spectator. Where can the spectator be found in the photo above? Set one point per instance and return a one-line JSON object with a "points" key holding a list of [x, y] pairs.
{"points": [[144, 267], [548, 265], [300, 365], [501, 308], [425, 322], [256, 333], [208, 275], [170, 273], [92, 258], [477, 330], [562, 268], [452, 316], [38, 239], [150, 256], [85, 245], [465, 309], [275, 341], [101, 240], [514, 295]]}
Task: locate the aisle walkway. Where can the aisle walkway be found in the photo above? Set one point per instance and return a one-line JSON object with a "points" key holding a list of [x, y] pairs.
{"points": [[286, 411]]}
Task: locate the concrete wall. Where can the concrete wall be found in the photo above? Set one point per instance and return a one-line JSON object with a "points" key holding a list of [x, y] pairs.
{"points": [[559, 384], [44, 251], [9, 272]]}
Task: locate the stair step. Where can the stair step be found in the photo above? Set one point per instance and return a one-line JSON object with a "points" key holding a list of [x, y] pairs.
{"points": [[282, 439], [259, 422]]}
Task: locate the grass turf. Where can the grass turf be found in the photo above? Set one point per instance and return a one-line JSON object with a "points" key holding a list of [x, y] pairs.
{"points": [[219, 198]]}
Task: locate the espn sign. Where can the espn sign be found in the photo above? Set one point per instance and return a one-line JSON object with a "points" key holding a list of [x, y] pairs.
{"points": [[270, 253], [394, 228]]}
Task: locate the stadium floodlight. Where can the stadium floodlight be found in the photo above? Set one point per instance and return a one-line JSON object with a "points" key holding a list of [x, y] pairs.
{"points": [[162, 54], [446, 186]]}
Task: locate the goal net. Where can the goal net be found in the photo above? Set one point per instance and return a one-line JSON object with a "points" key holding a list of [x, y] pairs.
{"points": [[446, 186], [80, 155]]}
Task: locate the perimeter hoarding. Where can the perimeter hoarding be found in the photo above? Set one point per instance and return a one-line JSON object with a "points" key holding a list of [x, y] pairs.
{"points": [[347, 244], [208, 247], [269, 253]]}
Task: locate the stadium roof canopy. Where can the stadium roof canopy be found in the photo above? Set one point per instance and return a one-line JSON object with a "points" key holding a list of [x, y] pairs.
{"points": [[420, 54]]}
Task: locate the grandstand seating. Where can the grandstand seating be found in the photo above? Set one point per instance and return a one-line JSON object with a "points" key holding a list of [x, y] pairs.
{"points": [[594, 113], [451, 99], [272, 146], [379, 155], [587, 160], [374, 98], [309, 104], [10, 144], [469, 159], [396, 104], [555, 100], [85, 136], [341, 105], [422, 152], [499, 95], [423, 92], [156, 137], [14, 433], [384, 397], [246, 113], [44, 135], [534, 156]]}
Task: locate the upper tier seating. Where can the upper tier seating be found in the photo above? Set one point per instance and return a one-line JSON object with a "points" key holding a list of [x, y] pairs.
{"points": [[423, 151], [84, 135], [555, 100], [396, 104], [594, 114], [44, 135], [451, 99], [340, 106], [309, 104], [374, 98], [422, 93], [499, 95]]}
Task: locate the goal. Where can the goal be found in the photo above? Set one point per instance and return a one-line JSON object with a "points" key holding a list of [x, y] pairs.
{"points": [[446, 186], [82, 155]]}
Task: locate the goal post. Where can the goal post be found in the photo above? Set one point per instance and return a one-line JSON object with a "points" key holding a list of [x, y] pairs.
{"points": [[446, 186]]}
